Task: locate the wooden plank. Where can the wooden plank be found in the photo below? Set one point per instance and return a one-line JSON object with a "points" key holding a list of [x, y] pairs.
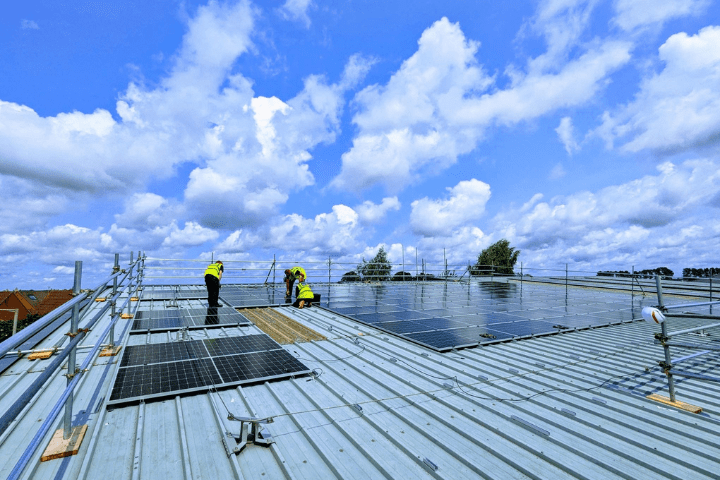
{"points": [[100, 299], [40, 355], [677, 404], [110, 351], [126, 316], [60, 447]]}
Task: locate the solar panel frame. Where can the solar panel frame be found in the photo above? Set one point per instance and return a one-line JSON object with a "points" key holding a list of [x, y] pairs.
{"points": [[536, 311], [156, 377]]}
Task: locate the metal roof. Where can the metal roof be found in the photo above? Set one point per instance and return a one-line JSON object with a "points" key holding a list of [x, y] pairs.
{"points": [[566, 406]]}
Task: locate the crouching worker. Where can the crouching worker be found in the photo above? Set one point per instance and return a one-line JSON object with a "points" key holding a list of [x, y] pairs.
{"points": [[305, 296]]}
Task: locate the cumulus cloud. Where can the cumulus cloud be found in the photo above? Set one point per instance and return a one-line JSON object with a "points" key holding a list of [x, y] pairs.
{"points": [[631, 14], [250, 152], [147, 210], [337, 232], [438, 105], [466, 203], [192, 235], [621, 222], [369, 212], [566, 133], [678, 108], [296, 10]]}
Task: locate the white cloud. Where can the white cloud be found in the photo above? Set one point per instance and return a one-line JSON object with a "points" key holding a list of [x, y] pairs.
{"points": [[641, 220], [192, 235], [250, 152], [566, 133], [29, 25], [338, 232], [678, 108], [466, 203], [144, 211], [631, 14], [296, 10], [369, 212], [439, 103]]}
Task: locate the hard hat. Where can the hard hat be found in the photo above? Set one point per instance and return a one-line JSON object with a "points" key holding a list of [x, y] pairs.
{"points": [[653, 315]]}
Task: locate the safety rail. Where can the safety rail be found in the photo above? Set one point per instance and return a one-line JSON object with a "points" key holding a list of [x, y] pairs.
{"points": [[661, 314], [76, 335]]}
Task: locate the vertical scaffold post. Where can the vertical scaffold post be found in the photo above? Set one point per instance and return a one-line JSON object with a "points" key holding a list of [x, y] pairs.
{"points": [[274, 267], [329, 264], [666, 348], [521, 277], [566, 280], [67, 422], [116, 268], [632, 286]]}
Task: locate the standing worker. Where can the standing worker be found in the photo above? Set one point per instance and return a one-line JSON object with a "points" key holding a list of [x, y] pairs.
{"points": [[305, 296], [213, 274], [292, 274]]}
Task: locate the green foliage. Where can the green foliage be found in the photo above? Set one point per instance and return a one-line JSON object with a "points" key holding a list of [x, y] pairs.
{"points": [[701, 272], [664, 272], [6, 326], [377, 269], [402, 277], [499, 258], [350, 277]]}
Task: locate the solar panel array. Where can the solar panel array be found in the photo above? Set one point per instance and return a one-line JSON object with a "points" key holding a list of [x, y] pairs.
{"points": [[174, 292], [191, 318], [443, 316], [155, 371], [255, 296]]}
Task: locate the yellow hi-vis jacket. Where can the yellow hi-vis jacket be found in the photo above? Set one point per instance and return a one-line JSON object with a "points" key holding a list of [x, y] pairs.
{"points": [[305, 292], [296, 271], [214, 270]]}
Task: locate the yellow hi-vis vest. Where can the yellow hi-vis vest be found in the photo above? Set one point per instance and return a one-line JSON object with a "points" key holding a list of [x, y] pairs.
{"points": [[296, 271], [305, 292], [214, 270]]}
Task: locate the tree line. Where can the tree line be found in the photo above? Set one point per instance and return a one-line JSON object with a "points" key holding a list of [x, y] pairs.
{"points": [[700, 272], [498, 259], [664, 272]]}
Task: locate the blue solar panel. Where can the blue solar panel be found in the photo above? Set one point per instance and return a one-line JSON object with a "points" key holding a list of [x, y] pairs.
{"points": [[466, 311]]}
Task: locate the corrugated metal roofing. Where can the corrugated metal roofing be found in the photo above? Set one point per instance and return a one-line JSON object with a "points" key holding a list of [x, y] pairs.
{"points": [[564, 406]]}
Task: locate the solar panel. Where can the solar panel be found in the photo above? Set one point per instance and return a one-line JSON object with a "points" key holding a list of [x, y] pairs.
{"points": [[237, 296], [233, 345], [168, 320], [445, 315], [157, 370]]}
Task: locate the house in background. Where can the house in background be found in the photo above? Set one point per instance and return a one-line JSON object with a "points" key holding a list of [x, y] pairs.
{"points": [[14, 300], [29, 302]]}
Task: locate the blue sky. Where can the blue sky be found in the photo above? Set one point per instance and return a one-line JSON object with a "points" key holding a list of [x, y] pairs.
{"points": [[585, 132]]}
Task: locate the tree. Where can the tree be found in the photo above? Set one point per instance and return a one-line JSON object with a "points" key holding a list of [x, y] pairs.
{"points": [[499, 257], [350, 277], [377, 269], [402, 277]]}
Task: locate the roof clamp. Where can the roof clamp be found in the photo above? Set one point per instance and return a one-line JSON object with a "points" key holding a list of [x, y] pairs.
{"points": [[251, 432], [666, 367]]}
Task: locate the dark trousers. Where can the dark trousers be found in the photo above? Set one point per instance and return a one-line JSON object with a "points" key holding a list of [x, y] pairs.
{"points": [[213, 288]]}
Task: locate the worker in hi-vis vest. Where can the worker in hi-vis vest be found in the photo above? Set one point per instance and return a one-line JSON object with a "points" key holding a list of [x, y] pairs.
{"points": [[305, 296], [213, 274], [292, 274]]}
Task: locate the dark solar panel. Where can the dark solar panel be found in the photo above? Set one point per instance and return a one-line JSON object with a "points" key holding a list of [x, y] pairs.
{"points": [[460, 313], [158, 370], [150, 380], [175, 319], [259, 365], [234, 345]]}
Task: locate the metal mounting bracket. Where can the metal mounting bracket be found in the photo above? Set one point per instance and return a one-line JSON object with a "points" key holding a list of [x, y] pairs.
{"points": [[251, 432]]}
